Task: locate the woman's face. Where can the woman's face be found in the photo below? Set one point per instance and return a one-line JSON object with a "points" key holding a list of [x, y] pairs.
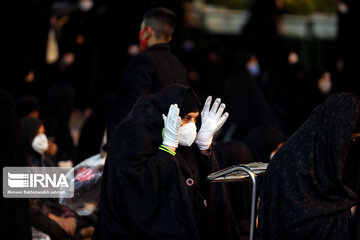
{"points": [[188, 118]]}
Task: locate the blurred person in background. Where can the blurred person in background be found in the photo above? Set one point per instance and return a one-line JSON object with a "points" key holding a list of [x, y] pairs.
{"points": [[320, 85], [288, 90], [47, 215], [261, 33], [247, 99], [38, 152], [81, 39], [56, 115], [152, 69]]}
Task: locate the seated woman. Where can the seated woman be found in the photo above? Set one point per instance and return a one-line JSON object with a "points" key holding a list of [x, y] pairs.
{"points": [[308, 190], [47, 215], [154, 177]]}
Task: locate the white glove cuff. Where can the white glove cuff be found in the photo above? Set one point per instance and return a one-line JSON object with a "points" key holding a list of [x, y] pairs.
{"points": [[204, 144]]}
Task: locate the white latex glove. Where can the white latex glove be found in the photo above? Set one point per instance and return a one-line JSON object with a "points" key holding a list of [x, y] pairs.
{"points": [[172, 127], [211, 121]]}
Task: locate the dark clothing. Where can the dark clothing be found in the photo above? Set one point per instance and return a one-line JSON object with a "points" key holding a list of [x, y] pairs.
{"points": [[262, 141], [304, 194], [150, 194], [148, 72], [58, 108], [15, 216], [288, 91], [248, 104], [82, 36], [92, 131]]}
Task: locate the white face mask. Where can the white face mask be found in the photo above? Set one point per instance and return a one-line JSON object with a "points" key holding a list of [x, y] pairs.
{"points": [[187, 134], [40, 143]]}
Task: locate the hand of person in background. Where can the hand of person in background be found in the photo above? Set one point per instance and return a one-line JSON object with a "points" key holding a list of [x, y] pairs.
{"points": [[52, 148], [172, 127], [68, 224], [211, 121]]}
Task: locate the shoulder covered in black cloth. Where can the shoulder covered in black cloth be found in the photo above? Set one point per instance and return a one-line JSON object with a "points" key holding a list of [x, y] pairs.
{"points": [[304, 196]]}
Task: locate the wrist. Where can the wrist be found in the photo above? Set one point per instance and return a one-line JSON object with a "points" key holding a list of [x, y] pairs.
{"points": [[171, 148], [204, 143], [168, 149], [205, 152]]}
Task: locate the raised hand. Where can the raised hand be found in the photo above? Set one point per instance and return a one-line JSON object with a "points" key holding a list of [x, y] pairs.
{"points": [[211, 121], [172, 127]]}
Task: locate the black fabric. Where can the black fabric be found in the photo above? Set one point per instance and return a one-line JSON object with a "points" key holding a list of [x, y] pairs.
{"points": [[147, 73], [191, 103], [15, 219], [150, 71], [248, 103], [30, 127], [144, 192], [26, 105], [288, 91], [58, 108], [304, 196], [262, 141], [92, 132], [229, 154]]}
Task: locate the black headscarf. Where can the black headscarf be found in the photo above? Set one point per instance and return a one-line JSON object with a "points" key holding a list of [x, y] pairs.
{"points": [[145, 120], [26, 105], [30, 127], [304, 196]]}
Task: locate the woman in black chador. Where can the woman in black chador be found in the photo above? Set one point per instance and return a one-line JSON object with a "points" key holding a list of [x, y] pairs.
{"points": [[154, 177], [309, 189]]}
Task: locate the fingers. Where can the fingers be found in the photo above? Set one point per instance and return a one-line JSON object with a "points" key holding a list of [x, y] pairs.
{"points": [[207, 105], [215, 107], [173, 115], [220, 111], [178, 122], [222, 120], [168, 117]]}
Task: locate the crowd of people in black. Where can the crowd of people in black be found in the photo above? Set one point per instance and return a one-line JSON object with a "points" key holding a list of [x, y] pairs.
{"points": [[124, 64]]}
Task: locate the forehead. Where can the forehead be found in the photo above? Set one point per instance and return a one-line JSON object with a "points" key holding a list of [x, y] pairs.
{"points": [[192, 114]]}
